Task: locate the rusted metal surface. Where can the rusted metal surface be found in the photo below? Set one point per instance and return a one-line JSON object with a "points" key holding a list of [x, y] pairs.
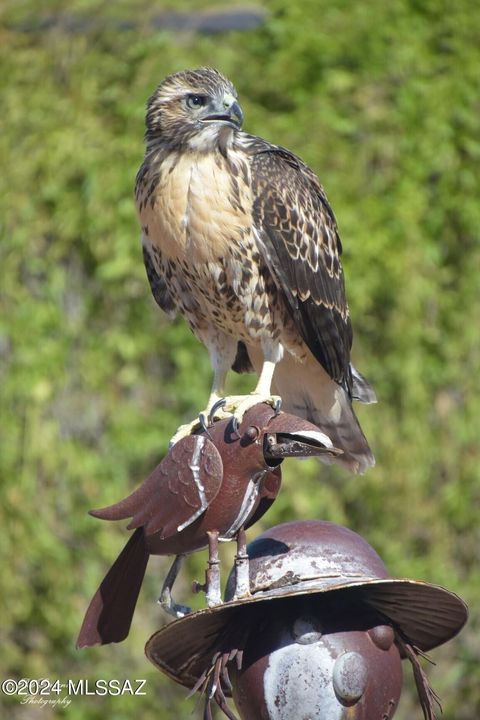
{"points": [[217, 481], [321, 615], [311, 553], [311, 662]]}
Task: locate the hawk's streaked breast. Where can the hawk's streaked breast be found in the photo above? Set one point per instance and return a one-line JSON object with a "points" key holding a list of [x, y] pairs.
{"points": [[198, 209], [197, 221]]}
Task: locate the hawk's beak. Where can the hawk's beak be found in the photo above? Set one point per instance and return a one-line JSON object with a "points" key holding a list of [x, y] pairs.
{"points": [[228, 110], [236, 114]]}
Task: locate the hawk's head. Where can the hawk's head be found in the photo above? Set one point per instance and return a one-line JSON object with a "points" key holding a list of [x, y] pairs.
{"points": [[192, 107]]}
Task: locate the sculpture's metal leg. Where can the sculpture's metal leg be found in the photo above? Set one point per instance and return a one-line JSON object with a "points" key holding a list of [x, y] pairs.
{"points": [[242, 579], [165, 599], [211, 587], [212, 575]]}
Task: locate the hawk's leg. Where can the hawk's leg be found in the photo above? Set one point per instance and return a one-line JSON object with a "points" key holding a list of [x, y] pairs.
{"points": [[215, 408], [238, 406], [222, 355], [165, 599]]}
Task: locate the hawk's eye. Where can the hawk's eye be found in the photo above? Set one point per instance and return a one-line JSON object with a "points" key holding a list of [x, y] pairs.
{"points": [[196, 101]]}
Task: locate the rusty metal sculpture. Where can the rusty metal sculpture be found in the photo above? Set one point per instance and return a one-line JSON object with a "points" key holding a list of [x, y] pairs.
{"points": [[321, 635], [207, 489], [312, 660]]}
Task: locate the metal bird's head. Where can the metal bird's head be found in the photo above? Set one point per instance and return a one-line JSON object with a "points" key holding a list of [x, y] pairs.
{"points": [[192, 108]]}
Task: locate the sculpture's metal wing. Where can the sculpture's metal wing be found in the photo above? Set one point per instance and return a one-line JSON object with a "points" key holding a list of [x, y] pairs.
{"points": [[176, 493]]}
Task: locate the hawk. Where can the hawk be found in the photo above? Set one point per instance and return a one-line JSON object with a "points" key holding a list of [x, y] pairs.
{"points": [[238, 237]]}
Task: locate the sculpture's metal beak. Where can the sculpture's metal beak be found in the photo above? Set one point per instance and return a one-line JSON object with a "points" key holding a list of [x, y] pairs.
{"points": [[307, 443]]}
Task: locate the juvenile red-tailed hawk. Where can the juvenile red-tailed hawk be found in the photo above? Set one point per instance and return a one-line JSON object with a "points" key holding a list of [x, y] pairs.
{"points": [[239, 237]]}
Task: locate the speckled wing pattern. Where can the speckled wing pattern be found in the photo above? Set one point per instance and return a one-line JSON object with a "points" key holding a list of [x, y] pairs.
{"points": [[176, 493], [298, 233]]}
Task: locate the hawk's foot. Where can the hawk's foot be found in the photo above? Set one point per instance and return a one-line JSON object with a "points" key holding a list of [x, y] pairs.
{"points": [[185, 431], [238, 405], [214, 411], [232, 406]]}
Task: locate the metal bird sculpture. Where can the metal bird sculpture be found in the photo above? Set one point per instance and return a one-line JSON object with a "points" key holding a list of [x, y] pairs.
{"points": [[209, 488]]}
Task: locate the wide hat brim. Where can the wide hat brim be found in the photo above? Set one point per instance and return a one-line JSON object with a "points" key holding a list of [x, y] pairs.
{"points": [[427, 615]]}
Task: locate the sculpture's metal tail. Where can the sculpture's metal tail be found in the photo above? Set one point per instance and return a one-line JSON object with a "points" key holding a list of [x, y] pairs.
{"points": [[111, 609]]}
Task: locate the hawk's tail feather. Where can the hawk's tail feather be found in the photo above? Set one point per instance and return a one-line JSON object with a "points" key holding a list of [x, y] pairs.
{"points": [[344, 432], [362, 390], [308, 391], [242, 363]]}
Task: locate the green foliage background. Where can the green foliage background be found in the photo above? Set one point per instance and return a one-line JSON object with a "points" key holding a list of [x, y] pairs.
{"points": [[382, 100]]}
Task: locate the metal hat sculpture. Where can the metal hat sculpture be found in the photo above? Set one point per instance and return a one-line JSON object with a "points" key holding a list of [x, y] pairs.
{"points": [[333, 573], [207, 489]]}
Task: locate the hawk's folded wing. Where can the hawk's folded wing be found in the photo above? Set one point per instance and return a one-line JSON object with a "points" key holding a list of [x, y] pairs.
{"points": [[158, 283], [298, 235]]}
